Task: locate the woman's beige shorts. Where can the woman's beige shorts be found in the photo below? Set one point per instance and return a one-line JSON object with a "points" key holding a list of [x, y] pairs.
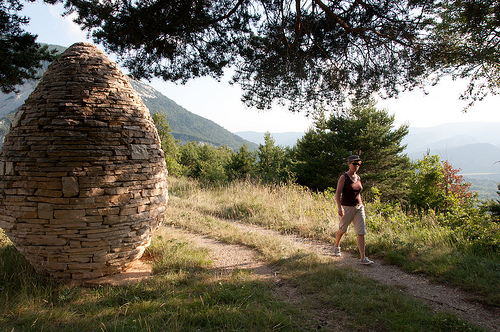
{"points": [[356, 215]]}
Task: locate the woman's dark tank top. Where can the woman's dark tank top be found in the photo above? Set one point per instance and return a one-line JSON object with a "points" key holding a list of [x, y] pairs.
{"points": [[351, 192]]}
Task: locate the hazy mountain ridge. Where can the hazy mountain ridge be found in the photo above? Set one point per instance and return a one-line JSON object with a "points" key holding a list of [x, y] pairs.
{"points": [[282, 139], [451, 135], [472, 147], [11, 101]]}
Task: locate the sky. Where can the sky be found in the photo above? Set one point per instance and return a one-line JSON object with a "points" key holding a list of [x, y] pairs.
{"points": [[220, 101]]}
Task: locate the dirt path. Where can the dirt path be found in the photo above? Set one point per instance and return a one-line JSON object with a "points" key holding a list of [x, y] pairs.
{"points": [[228, 257]]}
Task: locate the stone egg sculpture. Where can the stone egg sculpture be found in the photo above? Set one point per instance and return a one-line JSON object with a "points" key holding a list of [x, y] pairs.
{"points": [[83, 177]]}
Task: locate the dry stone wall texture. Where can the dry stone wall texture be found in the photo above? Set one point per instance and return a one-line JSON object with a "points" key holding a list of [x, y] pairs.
{"points": [[84, 181]]}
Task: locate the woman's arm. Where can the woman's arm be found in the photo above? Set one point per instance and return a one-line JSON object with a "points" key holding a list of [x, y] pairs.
{"points": [[338, 193], [360, 199]]}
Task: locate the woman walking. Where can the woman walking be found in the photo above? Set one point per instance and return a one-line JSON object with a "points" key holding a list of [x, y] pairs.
{"points": [[350, 207]]}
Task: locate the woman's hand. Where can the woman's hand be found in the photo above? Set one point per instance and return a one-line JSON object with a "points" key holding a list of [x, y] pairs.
{"points": [[340, 211]]}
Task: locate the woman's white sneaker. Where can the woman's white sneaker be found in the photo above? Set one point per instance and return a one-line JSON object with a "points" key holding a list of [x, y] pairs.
{"points": [[366, 261]]}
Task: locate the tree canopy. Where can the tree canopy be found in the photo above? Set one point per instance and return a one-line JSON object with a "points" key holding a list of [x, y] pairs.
{"points": [[301, 54], [466, 38], [436, 185], [20, 55], [297, 53]]}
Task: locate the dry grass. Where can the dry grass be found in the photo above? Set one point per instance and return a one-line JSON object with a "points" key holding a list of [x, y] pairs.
{"points": [[420, 243], [183, 294]]}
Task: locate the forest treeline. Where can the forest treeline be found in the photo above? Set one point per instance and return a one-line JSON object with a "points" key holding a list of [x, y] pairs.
{"points": [[319, 158]]}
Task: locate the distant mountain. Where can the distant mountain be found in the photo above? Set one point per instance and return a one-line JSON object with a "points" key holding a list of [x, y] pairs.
{"points": [[472, 147], [186, 126], [451, 135], [283, 139], [11, 101], [477, 158]]}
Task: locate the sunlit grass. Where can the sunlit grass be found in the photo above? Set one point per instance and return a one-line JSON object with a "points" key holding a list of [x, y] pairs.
{"points": [[350, 300], [309, 290], [183, 295], [417, 243]]}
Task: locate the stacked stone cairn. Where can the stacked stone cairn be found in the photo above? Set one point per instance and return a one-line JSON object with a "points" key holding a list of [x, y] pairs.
{"points": [[83, 177]]}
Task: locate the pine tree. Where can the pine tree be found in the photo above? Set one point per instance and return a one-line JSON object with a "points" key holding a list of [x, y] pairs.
{"points": [[20, 55], [241, 164], [321, 155], [169, 144], [273, 163], [466, 41]]}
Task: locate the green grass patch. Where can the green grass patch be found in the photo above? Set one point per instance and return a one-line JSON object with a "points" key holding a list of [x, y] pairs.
{"points": [[183, 295], [365, 305]]}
